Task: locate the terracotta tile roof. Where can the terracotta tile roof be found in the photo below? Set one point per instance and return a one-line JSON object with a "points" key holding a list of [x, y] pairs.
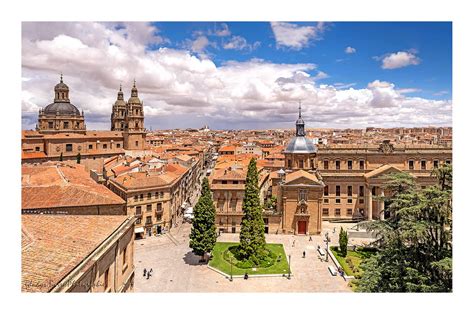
{"points": [[53, 245], [51, 185], [137, 180], [230, 174], [175, 168], [298, 174], [228, 148], [32, 155]]}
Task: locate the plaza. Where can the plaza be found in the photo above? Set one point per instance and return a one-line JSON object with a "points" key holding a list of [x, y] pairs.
{"points": [[177, 269]]}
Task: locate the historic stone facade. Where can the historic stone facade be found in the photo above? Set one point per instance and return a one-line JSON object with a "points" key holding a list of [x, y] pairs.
{"points": [[61, 130]]}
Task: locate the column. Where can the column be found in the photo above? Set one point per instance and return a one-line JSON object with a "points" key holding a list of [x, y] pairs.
{"points": [[369, 202], [381, 205]]}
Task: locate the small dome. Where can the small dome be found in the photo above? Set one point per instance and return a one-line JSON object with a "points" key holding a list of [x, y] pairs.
{"points": [[61, 87], [63, 108], [300, 145]]}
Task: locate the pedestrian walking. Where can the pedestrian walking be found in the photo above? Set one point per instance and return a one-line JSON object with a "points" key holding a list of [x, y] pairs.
{"points": [[151, 271], [148, 275], [144, 272], [293, 243], [304, 254], [334, 230], [310, 238]]}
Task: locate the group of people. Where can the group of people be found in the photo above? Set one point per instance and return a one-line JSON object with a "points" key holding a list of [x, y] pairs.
{"points": [[146, 273]]}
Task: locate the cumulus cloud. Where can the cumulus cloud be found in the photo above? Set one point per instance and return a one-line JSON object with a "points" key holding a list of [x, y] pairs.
{"points": [[296, 37], [240, 43], [350, 50], [222, 31], [399, 60], [180, 89]]}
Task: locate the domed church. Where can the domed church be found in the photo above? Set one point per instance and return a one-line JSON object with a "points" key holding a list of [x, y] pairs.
{"points": [[61, 116]]}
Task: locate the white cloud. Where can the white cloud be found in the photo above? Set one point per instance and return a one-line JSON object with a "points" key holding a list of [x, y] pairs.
{"points": [[224, 31], [408, 90], [399, 60], [199, 44], [240, 43], [294, 36], [176, 82], [350, 49]]}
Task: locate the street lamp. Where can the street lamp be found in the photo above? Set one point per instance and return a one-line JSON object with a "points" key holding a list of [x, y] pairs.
{"points": [[231, 279], [289, 266], [327, 240]]}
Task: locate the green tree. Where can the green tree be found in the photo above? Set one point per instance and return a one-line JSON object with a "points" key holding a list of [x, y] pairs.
{"points": [[78, 158], [203, 233], [415, 242], [252, 230], [61, 157], [343, 242]]}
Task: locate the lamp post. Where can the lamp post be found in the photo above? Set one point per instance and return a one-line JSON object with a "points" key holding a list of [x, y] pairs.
{"points": [[327, 240], [231, 279], [289, 266]]}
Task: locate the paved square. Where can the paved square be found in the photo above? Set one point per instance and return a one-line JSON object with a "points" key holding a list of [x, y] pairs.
{"points": [[177, 269]]}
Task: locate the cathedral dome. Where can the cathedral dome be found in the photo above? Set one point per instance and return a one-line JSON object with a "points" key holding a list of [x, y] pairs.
{"points": [[62, 108], [134, 96], [300, 144]]}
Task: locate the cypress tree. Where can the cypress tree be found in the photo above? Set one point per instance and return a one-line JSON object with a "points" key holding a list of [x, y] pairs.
{"points": [[343, 242], [61, 157], [78, 157], [203, 233], [252, 231]]}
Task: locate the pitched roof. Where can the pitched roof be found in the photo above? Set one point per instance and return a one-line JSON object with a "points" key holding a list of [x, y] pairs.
{"points": [[300, 174], [52, 185], [53, 245]]}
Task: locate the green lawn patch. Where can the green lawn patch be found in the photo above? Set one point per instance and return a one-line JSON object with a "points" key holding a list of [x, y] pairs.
{"points": [[351, 263], [222, 254]]}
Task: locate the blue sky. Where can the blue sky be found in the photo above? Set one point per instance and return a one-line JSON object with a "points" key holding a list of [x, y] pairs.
{"points": [[246, 74]]}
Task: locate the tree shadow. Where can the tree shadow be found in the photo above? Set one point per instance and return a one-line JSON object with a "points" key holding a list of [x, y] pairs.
{"points": [[191, 259]]}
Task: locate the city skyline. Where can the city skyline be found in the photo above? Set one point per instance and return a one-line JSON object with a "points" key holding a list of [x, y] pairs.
{"points": [[245, 75]]}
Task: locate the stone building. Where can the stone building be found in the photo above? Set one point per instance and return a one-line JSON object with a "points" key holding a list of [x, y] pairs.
{"points": [[61, 130], [332, 182], [68, 253], [61, 116]]}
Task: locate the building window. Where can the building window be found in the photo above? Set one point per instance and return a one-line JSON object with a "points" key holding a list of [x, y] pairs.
{"points": [[435, 164], [349, 201], [361, 201], [220, 204], [148, 208], [326, 190], [66, 125], [50, 125], [124, 256], [311, 161], [349, 190], [325, 211], [138, 221], [235, 182], [338, 201], [159, 207], [289, 163], [326, 164], [118, 145], [361, 164], [161, 194], [69, 147], [303, 195], [104, 146], [373, 191], [106, 279], [349, 164], [138, 210], [135, 198], [338, 190], [423, 165], [148, 196], [411, 164], [224, 181], [90, 146], [349, 211], [337, 212], [326, 201], [141, 197], [448, 161], [37, 148], [148, 220], [233, 204], [136, 143], [156, 194], [301, 166], [338, 164], [361, 190]]}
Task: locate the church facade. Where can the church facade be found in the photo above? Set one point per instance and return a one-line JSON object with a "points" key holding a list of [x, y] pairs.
{"points": [[61, 130]]}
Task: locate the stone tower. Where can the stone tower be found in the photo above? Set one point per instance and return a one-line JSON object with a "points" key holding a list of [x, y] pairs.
{"points": [[119, 110], [134, 130]]}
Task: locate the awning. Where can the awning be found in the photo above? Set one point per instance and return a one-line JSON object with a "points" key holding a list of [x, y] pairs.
{"points": [[139, 230]]}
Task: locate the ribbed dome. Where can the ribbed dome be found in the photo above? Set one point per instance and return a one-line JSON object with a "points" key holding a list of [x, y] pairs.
{"points": [[300, 145], [62, 108], [60, 87]]}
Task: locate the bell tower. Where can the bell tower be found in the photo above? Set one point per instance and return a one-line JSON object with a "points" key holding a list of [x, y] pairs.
{"points": [[134, 130], [118, 112]]}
